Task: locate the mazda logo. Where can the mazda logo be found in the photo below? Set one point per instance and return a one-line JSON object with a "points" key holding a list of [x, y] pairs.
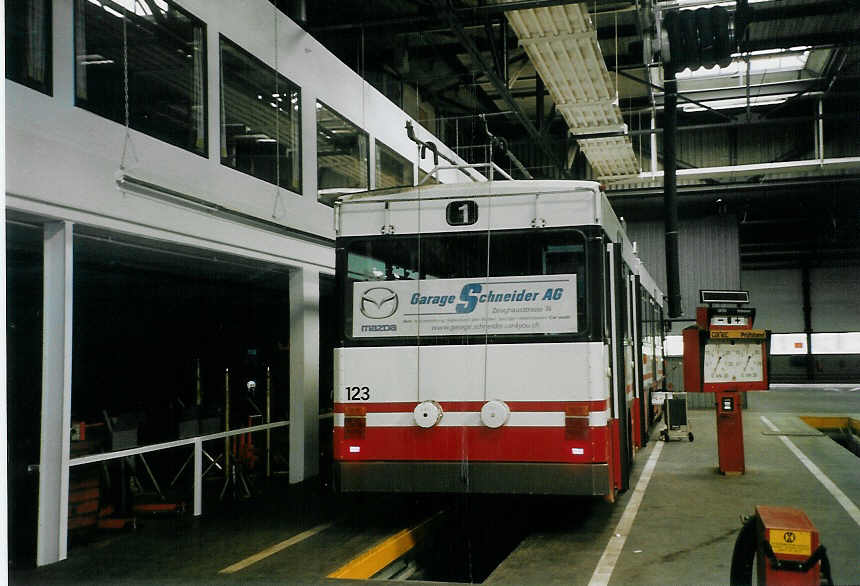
{"points": [[378, 303]]}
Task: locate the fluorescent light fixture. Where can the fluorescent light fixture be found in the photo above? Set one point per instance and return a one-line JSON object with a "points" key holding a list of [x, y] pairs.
{"points": [[740, 102], [685, 4]]}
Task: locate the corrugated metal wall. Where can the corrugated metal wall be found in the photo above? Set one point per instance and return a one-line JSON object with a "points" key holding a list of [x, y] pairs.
{"points": [[716, 147], [777, 296], [709, 256], [835, 299]]}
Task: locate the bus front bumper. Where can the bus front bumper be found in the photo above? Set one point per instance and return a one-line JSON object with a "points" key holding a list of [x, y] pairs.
{"points": [[472, 477]]}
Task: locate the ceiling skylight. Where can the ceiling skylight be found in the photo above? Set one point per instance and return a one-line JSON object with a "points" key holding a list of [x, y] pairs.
{"points": [[767, 61]]}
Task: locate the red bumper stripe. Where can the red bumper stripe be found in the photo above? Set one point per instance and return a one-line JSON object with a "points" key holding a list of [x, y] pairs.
{"points": [[522, 444]]}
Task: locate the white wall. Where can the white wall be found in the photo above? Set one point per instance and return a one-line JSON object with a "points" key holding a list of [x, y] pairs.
{"points": [[62, 160]]}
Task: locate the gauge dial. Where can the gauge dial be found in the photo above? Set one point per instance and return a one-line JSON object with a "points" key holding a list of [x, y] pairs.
{"points": [[733, 361]]}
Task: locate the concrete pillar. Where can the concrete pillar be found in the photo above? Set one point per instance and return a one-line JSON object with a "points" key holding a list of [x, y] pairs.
{"points": [[56, 394], [304, 374]]}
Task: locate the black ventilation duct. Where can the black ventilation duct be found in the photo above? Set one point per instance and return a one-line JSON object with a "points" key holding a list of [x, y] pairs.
{"points": [[699, 38]]}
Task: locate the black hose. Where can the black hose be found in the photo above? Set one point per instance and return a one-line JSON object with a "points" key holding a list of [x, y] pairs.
{"points": [[744, 554]]}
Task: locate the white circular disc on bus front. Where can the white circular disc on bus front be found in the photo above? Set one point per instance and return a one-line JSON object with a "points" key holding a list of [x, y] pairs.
{"points": [[495, 413], [427, 413]]}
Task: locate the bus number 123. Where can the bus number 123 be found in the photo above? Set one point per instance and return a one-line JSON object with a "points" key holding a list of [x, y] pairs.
{"points": [[357, 393]]}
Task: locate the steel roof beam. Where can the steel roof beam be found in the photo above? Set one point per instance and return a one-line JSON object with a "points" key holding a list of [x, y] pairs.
{"points": [[821, 7], [813, 184], [844, 38], [475, 15], [446, 12]]}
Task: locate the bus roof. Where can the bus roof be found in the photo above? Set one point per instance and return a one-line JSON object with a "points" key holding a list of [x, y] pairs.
{"points": [[478, 188]]}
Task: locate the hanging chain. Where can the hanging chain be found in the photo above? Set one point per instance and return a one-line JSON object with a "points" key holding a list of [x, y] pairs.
{"points": [[125, 87]]}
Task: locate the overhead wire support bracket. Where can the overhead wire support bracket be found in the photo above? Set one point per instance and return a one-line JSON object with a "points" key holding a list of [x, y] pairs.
{"points": [[502, 145]]}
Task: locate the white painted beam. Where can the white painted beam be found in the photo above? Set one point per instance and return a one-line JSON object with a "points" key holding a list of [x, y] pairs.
{"points": [[750, 169], [56, 394]]}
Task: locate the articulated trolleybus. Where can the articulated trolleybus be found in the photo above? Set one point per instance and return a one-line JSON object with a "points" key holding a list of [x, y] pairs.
{"points": [[496, 337]]}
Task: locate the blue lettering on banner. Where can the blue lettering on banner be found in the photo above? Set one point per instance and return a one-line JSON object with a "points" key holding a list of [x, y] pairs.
{"points": [[553, 294], [470, 297], [467, 295], [440, 300]]}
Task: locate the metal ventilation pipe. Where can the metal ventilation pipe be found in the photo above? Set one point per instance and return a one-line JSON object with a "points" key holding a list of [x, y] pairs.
{"points": [[670, 189]]}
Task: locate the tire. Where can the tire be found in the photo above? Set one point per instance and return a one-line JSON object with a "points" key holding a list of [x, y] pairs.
{"points": [[690, 436]]}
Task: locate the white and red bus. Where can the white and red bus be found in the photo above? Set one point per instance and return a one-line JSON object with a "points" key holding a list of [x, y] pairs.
{"points": [[495, 337]]}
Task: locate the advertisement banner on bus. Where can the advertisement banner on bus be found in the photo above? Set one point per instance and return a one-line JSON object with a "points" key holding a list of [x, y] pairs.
{"points": [[457, 307]]}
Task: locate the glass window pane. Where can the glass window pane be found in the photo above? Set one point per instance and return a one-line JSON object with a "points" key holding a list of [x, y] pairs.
{"points": [[28, 43], [674, 345], [788, 344], [392, 169], [836, 343], [166, 49], [260, 119], [342, 149]]}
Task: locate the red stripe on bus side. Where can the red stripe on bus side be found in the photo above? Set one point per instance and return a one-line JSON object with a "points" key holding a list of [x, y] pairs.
{"points": [[520, 444], [471, 406]]}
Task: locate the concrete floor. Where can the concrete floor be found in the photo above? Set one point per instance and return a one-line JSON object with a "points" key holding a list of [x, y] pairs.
{"points": [[689, 518], [683, 533]]}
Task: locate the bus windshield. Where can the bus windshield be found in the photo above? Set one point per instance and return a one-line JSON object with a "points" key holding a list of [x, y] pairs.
{"points": [[398, 285]]}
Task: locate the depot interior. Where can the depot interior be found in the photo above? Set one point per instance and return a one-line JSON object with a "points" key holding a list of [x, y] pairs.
{"points": [[171, 167]]}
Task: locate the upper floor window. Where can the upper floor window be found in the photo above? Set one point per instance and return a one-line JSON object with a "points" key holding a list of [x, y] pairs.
{"points": [[164, 49], [28, 43], [392, 169], [342, 153], [260, 119]]}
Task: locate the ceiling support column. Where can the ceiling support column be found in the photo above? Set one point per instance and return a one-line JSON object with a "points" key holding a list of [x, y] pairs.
{"points": [[57, 306], [304, 374]]}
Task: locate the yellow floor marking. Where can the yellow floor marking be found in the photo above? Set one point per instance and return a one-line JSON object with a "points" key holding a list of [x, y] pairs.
{"points": [[275, 549], [375, 559], [821, 422]]}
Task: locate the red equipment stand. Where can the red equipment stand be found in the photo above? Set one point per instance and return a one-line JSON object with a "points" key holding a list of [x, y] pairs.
{"points": [[785, 548], [730, 432], [725, 356]]}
